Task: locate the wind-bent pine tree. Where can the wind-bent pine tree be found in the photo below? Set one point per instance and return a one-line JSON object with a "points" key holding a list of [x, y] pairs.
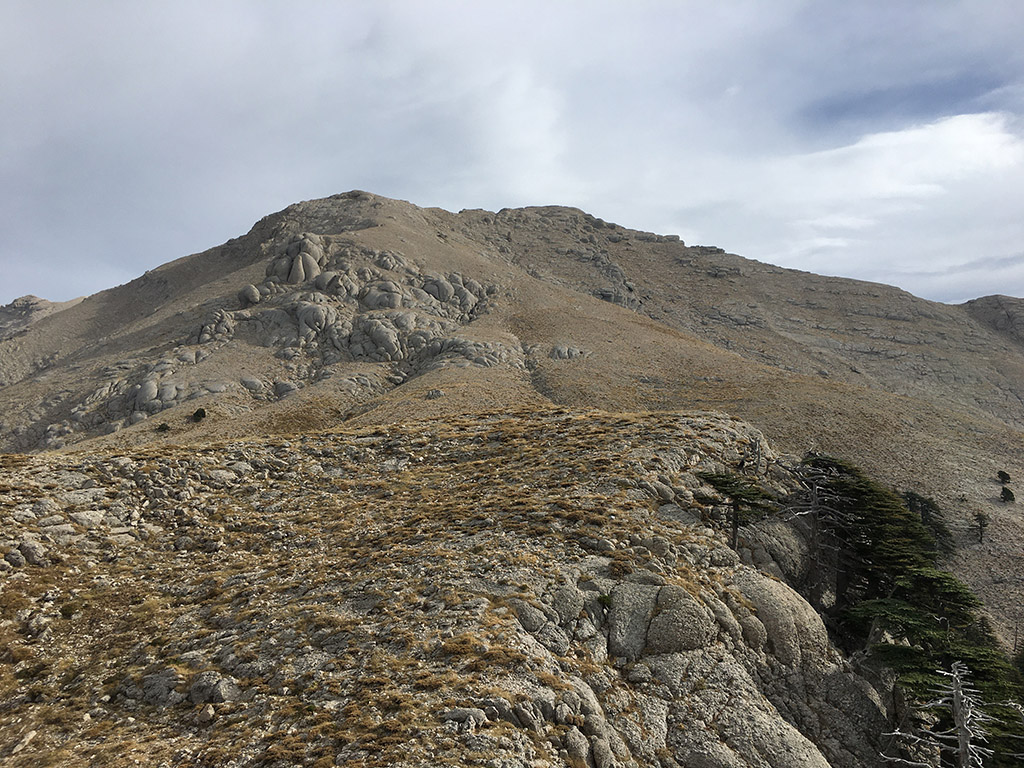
{"points": [[962, 741], [744, 497]]}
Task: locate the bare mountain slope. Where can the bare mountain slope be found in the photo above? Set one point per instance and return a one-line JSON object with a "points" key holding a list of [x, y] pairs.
{"points": [[860, 333], [21, 313], [870, 336], [360, 307], [415, 331]]}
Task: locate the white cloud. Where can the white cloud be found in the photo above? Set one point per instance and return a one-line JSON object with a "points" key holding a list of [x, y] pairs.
{"points": [[522, 137], [924, 196]]}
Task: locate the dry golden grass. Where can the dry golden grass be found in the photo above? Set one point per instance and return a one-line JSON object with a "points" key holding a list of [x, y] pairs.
{"points": [[359, 564]]}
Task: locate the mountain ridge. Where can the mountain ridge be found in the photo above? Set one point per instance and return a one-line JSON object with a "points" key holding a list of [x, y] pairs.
{"points": [[823, 360], [344, 320]]}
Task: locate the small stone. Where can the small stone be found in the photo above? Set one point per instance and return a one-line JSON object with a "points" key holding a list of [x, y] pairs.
{"points": [[24, 742], [15, 558], [640, 673], [462, 714], [206, 714], [253, 385], [282, 388], [34, 552], [87, 519]]}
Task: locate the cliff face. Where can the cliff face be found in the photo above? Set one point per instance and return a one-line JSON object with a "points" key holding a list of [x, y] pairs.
{"points": [[535, 588], [1003, 313], [484, 561]]}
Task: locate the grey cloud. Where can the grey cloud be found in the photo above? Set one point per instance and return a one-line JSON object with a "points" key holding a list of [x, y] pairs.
{"points": [[988, 263], [916, 101], [146, 132]]}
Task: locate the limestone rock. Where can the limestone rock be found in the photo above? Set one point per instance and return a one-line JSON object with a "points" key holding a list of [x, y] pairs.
{"points": [[15, 558], [567, 602], [212, 687], [33, 552], [681, 623], [565, 352], [632, 608], [796, 634], [158, 687], [87, 518], [249, 294], [530, 617]]}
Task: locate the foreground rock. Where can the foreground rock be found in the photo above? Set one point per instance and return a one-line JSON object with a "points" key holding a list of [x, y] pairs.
{"points": [[503, 590]]}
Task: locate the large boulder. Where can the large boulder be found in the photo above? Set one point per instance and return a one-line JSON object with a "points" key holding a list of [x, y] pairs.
{"points": [[211, 686], [681, 623], [631, 612], [796, 635]]}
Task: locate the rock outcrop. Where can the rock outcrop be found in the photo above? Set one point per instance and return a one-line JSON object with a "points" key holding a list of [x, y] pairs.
{"points": [[508, 586], [16, 317]]}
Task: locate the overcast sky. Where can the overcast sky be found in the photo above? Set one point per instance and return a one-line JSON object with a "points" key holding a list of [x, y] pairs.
{"points": [[877, 140]]}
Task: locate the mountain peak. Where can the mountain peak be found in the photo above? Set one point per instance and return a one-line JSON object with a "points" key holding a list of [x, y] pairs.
{"points": [[533, 393]]}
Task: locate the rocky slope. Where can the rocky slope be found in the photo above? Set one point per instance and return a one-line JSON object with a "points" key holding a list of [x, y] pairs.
{"points": [[351, 488], [547, 587], [16, 317], [356, 306]]}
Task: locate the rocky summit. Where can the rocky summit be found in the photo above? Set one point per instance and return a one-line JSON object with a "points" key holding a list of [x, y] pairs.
{"points": [[381, 485]]}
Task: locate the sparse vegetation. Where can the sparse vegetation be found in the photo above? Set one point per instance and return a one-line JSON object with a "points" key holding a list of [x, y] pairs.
{"points": [[982, 521], [355, 586]]}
